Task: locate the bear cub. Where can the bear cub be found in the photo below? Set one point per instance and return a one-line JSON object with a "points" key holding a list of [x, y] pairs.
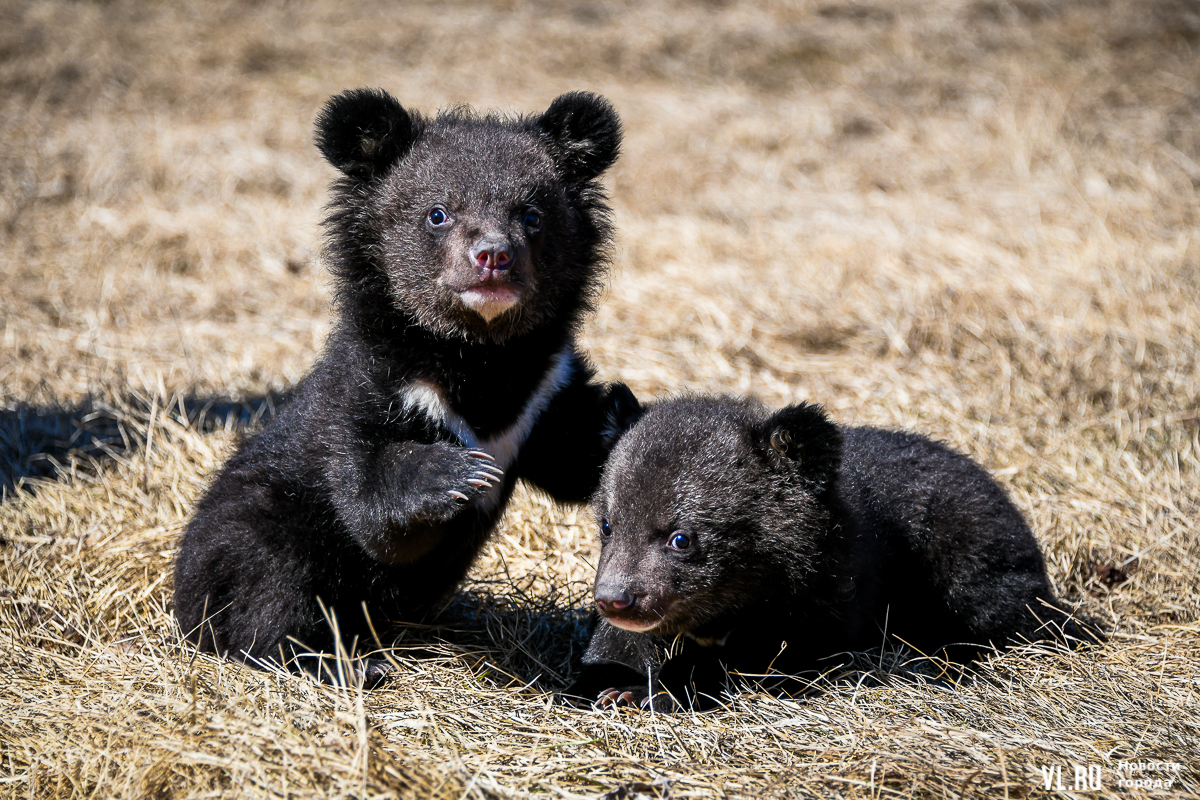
{"points": [[770, 543], [466, 249]]}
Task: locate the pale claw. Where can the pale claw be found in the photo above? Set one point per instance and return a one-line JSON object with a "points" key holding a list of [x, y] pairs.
{"points": [[373, 672], [614, 698]]}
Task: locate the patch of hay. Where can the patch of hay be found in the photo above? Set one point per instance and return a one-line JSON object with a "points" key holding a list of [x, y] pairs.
{"points": [[973, 219]]}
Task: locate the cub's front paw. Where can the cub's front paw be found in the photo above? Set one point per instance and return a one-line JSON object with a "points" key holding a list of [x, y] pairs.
{"points": [[370, 672], [451, 477], [481, 475], [636, 697]]}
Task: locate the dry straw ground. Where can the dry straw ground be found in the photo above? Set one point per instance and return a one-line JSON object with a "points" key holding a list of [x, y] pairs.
{"points": [[972, 218]]}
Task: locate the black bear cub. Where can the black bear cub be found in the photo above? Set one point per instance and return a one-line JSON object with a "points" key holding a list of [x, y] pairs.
{"points": [[769, 543], [465, 249]]}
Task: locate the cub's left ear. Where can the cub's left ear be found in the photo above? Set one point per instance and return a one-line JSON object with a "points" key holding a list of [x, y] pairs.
{"points": [[621, 411], [802, 438], [586, 132]]}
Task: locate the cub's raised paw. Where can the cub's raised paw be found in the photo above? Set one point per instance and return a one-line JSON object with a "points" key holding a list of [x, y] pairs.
{"points": [[450, 477], [481, 475]]}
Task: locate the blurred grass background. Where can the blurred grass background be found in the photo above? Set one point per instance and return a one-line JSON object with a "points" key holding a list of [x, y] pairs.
{"points": [[972, 218]]}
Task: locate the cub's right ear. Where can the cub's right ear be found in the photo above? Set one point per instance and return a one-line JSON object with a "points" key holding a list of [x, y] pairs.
{"points": [[802, 438], [362, 132], [622, 409]]}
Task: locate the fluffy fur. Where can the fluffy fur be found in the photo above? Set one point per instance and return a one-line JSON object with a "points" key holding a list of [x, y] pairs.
{"points": [[466, 249], [764, 542]]}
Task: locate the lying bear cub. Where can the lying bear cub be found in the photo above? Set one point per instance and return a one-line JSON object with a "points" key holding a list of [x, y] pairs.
{"points": [[769, 543]]}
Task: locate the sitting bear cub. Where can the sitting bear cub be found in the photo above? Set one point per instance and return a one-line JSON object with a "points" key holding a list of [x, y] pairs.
{"points": [[768, 543], [466, 249]]}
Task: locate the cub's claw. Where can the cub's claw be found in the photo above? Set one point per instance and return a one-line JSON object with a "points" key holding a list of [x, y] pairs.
{"points": [[635, 698], [470, 475], [373, 671], [483, 479], [614, 698], [660, 701], [486, 474]]}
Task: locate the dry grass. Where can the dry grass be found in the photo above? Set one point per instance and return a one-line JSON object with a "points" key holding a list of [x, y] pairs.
{"points": [[974, 219]]}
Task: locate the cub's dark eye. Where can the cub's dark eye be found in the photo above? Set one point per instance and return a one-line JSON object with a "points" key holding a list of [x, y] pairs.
{"points": [[438, 217], [605, 529], [532, 220], [679, 541]]}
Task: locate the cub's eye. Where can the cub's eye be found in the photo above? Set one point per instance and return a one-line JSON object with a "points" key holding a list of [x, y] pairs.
{"points": [[605, 529], [532, 220], [679, 541], [438, 217]]}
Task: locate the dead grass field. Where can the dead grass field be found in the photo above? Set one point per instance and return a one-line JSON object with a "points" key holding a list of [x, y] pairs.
{"points": [[977, 219]]}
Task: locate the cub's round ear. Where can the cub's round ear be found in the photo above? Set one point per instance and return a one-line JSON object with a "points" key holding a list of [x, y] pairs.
{"points": [[362, 132], [802, 438], [621, 411], [586, 132]]}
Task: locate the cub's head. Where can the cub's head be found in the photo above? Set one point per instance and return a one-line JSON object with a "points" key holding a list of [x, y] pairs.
{"points": [[706, 505], [477, 227]]}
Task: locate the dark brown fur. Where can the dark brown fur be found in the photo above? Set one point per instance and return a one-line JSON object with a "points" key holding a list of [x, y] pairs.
{"points": [[377, 485], [803, 540]]}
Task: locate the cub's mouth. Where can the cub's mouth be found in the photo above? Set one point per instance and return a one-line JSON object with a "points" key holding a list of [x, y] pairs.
{"points": [[637, 626], [637, 614], [490, 299]]}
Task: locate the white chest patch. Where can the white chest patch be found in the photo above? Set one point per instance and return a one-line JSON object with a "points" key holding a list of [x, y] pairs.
{"points": [[428, 398]]}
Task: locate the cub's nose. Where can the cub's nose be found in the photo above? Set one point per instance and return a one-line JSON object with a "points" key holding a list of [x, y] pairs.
{"points": [[614, 599], [492, 254]]}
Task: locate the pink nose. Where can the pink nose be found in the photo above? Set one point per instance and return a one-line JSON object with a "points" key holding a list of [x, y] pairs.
{"points": [[612, 600], [495, 257]]}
